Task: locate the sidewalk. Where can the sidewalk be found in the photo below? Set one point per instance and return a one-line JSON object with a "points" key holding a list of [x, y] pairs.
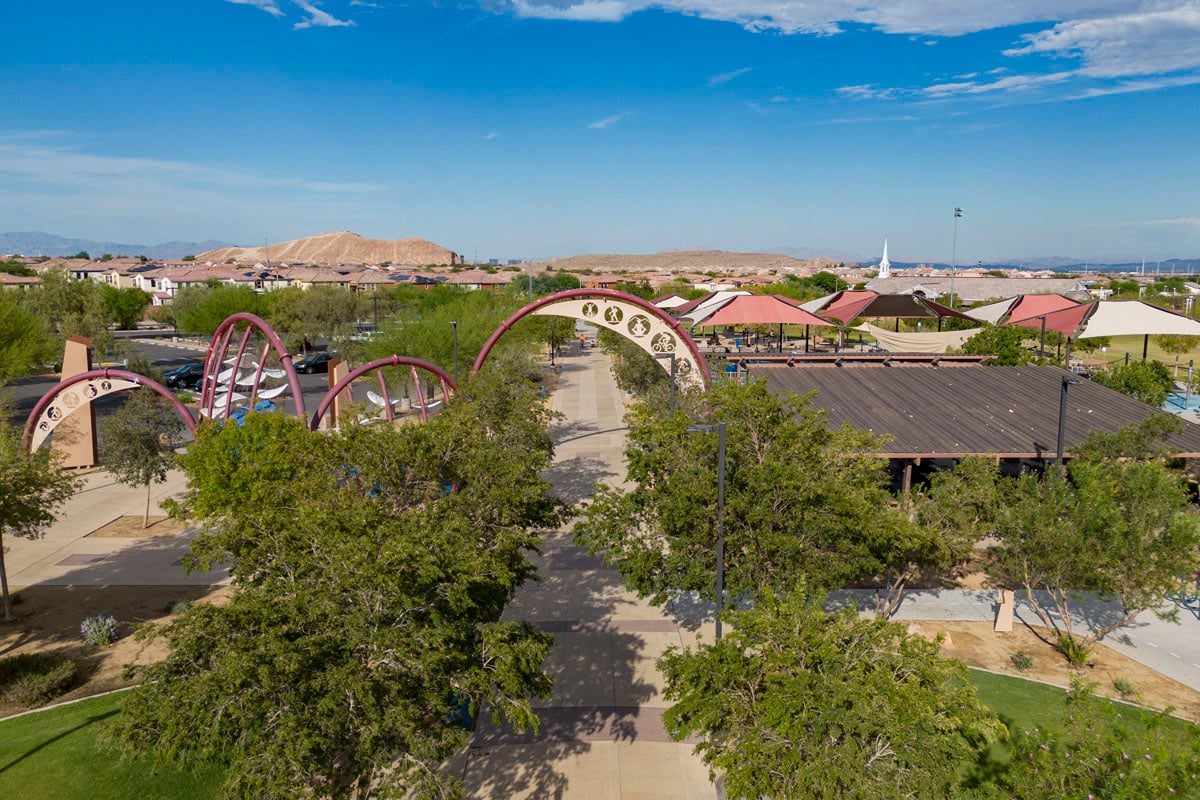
{"points": [[601, 735], [67, 556]]}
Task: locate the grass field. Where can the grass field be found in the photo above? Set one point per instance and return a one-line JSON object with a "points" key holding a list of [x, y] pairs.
{"points": [[55, 755]]}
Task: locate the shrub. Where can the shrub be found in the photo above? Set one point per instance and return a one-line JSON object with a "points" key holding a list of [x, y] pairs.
{"points": [[178, 606], [1125, 688], [99, 629], [1021, 661], [1077, 652], [30, 679]]}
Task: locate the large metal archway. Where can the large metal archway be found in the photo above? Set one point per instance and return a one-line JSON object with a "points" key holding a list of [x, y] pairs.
{"points": [[214, 361], [447, 384], [642, 323], [97, 383]]}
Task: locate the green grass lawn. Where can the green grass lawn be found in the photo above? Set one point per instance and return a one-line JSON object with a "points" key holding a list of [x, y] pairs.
{"points": [[54, 755]]}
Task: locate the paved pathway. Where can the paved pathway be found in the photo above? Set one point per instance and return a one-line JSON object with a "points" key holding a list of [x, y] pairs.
{"points": [[601, 735]]}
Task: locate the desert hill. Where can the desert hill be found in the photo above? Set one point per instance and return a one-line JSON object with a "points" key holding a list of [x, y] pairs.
{"points": [[689, 261], [339, 247]]}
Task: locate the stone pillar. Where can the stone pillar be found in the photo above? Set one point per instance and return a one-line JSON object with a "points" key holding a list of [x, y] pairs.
{"points": [[75, 438], [338, 369]]}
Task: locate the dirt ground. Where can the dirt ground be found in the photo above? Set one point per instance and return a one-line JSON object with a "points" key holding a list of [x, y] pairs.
{"points": [[49, 618]]}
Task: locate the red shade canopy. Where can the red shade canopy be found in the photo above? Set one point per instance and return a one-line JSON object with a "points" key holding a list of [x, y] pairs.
{"points": [[760, 309]]}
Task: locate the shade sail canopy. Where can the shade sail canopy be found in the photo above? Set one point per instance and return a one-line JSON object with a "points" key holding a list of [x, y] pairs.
{"points": [[1124, 317], [1021, 307], [1066, 320], [851, 305], [760, 309], [933, 342], [703, 307], [1113, 318]]}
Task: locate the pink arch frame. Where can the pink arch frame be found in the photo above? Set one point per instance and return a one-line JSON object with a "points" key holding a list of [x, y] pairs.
{"points": [[611, 294], [141, 380], [220, 347], [388, 361]]}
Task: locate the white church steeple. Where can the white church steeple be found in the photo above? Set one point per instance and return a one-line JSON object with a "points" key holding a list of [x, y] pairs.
{"points": [[885, 266]]}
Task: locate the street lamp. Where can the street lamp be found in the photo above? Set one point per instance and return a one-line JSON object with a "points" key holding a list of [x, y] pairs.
{"points": [[454, 323], [671, 356], [720, 430], [1062, 415], [954, 253]]}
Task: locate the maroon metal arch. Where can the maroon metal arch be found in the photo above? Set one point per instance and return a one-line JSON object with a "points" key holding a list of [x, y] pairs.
{"points": [[220, 346], [387, 361], [141, 380], [612, 294]]}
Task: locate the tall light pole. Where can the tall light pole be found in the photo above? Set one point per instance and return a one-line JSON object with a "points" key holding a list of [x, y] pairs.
{"points": [[454, 323], [1062, 416], [720, 429], [954, 253]]}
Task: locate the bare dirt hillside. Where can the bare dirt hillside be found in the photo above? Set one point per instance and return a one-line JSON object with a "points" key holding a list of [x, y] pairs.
{"points": [[689, 261], [339, 247]]}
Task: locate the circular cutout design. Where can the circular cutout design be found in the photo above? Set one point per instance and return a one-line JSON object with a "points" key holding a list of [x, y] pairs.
{"points": [[639, 326], [590, 309], [663, 343], [613, 315]]}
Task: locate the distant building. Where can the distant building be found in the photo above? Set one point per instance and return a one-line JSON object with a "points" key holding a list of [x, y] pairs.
{"points": [[885, 266]]}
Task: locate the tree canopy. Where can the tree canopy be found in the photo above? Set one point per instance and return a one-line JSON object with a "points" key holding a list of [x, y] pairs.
{"points": [[370, 570], [1148, 381], [24, 344], [138, 441], [798, 703], [1006, 343], [803, 501], [32, 486]]}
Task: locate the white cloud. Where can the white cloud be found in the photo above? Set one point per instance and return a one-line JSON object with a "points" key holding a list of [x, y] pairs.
{"points": [[608, 122], [487, 137], [726, 77], [72, 168], [1108, 39], [318, 18], [1012, 83], [584, 11], [269, 6], [1153, 42]]}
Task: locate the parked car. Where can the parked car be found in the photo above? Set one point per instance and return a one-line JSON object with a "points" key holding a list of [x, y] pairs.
{"points": [[188, 376], [314, 362]]}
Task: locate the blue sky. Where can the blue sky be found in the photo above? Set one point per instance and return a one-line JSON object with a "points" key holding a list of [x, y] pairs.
{"points": [[517, 128]]}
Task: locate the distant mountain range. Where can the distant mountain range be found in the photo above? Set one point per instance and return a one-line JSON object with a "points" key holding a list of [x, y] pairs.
{"points": [[36, 243]]}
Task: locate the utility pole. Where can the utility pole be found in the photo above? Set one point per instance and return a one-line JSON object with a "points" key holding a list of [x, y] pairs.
{"points": [[958, 212]]}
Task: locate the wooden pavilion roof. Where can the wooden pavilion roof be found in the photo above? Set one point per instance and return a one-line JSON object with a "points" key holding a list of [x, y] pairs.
{"points": [[931, 412]]}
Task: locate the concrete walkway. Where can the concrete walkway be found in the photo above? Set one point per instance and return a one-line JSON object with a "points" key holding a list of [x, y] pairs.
{"points": [[68, 556], [601, 735]]}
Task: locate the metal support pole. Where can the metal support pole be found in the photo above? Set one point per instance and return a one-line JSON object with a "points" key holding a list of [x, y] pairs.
{"points": [[1062, 417], [720, 524], [720, 430]]}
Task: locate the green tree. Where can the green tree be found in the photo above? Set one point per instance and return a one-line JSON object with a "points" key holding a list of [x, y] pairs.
{"points": [[798, 703], [1148, 381], [200, 310], [71, 308], [24, 343], [827, 281], [1006, 343], [370, 567], [1176, 345], [15, 267], [1119, 525], [138, 441], [1099, 751], [125, 306], [32, 486], [802, 501], [328, 312]]}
